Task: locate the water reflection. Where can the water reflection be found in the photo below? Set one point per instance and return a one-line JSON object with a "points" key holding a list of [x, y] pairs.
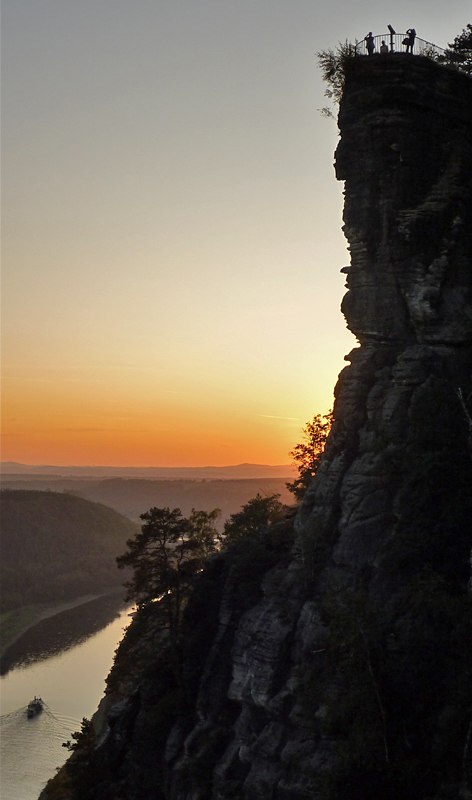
{"points": [[60, 633], [71, 684], [30, 747]]}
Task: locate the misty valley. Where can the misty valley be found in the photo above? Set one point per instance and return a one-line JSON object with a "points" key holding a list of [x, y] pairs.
{"points": [[62, 599]]}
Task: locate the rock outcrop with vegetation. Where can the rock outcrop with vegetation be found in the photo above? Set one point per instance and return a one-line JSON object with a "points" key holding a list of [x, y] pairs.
{"points": [[337, 664]]}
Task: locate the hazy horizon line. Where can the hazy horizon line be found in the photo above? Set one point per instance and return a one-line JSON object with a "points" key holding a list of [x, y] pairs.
{"points": [[143, 466]]}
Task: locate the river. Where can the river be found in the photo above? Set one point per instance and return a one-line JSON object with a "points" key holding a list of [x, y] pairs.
{"points": [[64, 660]]}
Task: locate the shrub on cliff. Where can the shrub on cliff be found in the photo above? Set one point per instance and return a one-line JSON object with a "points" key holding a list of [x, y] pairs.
{"points": [[307, 454], [332, 64], [253, 518], [460, 50]]}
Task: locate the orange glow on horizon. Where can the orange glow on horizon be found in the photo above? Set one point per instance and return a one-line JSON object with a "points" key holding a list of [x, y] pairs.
{"points": [[172, 237], [190, 442], [61, 426]]}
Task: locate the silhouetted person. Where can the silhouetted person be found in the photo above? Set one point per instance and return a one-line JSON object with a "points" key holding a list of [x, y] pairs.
{"points": [[369, 43], [383, 47], [409, 41]]}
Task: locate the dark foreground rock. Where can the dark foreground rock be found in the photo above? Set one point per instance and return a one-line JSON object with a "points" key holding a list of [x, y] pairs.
{"points": [[340, 666]]}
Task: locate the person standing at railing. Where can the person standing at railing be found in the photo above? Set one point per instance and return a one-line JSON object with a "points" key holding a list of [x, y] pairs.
{"points": [[369, 43], [383, 48], [409, 41]]}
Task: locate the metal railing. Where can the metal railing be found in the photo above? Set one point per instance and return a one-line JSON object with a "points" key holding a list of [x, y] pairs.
{"points": [[387, 43]]}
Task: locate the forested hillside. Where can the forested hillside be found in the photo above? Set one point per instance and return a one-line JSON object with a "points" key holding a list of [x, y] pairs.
{"points": [[56, 546], [134, 496]]}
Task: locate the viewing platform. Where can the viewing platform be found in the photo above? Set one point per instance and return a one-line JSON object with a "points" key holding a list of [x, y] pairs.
{"points": [[395, 44]]}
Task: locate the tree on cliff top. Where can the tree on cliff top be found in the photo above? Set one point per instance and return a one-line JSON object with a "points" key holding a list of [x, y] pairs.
{"points": [[307, 454], [165, 557], [460, 50], [332, 64], [254, 518]]}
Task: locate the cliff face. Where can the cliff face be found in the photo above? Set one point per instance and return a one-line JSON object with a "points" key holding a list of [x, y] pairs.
{"points": [[405, 156], [343, 668]]}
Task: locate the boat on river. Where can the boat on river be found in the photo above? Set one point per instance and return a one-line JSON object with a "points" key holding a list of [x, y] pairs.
{"points": [[35, 707]]}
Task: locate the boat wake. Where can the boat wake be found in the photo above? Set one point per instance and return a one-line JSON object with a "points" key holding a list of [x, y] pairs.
{"points": [[39, 740]]}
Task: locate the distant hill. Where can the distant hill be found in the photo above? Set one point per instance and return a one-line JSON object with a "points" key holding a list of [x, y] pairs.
{"points": [[12, 468], [57, 546], [133, 497]]}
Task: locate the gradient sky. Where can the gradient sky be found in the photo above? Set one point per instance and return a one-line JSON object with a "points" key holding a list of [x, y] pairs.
{"points": [[172, 224]]}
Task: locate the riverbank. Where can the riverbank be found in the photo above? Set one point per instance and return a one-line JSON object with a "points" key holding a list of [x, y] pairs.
{"points": [[70, 678], [15, 623]]}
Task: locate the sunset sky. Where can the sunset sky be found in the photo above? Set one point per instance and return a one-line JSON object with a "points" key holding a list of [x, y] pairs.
{"points": [[172, 224]]}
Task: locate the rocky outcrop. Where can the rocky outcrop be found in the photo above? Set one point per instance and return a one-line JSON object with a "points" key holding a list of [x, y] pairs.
{"points": [[405, 154], [343, 669]]}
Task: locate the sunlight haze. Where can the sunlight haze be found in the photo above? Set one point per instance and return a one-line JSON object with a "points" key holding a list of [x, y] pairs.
{"points": [[172, 225]]}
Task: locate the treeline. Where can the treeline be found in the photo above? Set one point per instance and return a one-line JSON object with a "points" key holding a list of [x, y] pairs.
{"points": [[171, 549], [179, 565], [133, 496], [170, 555], [56, 546]]}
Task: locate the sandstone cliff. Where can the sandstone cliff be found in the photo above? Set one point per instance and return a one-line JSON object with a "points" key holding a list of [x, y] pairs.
{"points": [[341, 666]]}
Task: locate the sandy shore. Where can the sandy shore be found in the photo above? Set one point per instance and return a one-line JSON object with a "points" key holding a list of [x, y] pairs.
{"points": [[51, 609]]}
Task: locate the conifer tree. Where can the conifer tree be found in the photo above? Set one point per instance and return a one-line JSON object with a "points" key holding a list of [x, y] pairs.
{"points": [[165, 557]]}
